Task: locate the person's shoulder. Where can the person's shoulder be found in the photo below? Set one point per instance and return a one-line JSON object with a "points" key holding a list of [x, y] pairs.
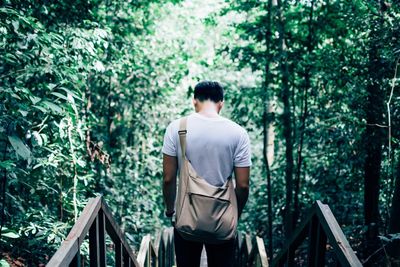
{"points": [[235, 126], [174, 124]]}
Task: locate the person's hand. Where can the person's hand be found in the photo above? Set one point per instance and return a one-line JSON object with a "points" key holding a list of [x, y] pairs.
{"points": [[171, 216]]}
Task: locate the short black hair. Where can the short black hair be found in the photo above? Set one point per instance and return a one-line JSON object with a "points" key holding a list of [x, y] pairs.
{"points": [[209, 90]]}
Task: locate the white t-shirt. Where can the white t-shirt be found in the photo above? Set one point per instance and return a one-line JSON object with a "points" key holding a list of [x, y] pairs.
{"points": [[213, 146]]}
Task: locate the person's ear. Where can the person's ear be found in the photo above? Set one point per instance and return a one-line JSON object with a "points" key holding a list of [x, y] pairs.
{"points": [[195, 104], [220, 105]]}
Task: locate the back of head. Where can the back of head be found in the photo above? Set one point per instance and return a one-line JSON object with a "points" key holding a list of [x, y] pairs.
{"points": [[209, 90]]}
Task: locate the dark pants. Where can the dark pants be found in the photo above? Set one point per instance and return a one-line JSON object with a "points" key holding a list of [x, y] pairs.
{"points": [[188, 252]]}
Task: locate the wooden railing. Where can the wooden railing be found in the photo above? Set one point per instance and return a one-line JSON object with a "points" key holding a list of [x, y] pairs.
{"points": [[248, 252], [95, 220], [320, 226], [160, 253]]}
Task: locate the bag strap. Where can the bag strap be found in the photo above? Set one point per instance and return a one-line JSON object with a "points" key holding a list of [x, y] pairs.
{"points": [[182, 135]]}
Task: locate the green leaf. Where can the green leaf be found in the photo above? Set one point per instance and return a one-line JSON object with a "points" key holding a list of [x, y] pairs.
{"points": [[37, 138], [34, 99], [44, 138], [59, 95], [42, 109], [53, 107], [23, 112], [7, 164], [10, 235], [4, 263], [20, 147], [384, 238], [15, 24], [71, 93], [15, 96]]}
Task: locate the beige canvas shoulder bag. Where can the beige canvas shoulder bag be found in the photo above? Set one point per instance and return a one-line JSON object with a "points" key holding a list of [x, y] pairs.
{"points": [[204, 212]]}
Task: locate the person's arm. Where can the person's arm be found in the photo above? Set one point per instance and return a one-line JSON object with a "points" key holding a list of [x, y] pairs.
{"points": [[170, 167], [242, 176]]}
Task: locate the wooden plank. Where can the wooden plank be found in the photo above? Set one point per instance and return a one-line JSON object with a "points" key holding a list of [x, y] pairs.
{"points": [[65, 253], [157, 242], [76, 236], [118, 254], [144, 249], [312, 240], [94, 251], [244, 252], [298, 236], [160, 248], [249, 244], [125, 257], [238, 246], [320, 247], [253, 256], [337, 239], [170, 248], [261, 251], [153, 255], [102, 240], [203, 257], [115, 232], [85, 220], [76, 261]]}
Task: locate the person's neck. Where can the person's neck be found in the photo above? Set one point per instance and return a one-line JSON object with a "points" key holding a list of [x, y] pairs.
{"points": [[209, 111]]}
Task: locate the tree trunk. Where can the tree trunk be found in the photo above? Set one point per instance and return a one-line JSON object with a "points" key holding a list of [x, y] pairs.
{"points": [[3, 190], [286, 121], [266, 125], [304, 114], [394, 223], [373, 138]]}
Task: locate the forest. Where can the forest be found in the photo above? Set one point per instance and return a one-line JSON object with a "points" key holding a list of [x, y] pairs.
{"points": [[88, 88]]}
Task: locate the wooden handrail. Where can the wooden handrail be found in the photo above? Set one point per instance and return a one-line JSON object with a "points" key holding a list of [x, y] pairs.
{"points": [[320, 226], [250, 252], [95, 220], [157, 254]]}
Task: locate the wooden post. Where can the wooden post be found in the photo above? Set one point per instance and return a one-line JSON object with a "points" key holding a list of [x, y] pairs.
{"points": [[337, 240], [95, 220], [154, 256], [94, 254], [126, 258], [321, 247], [171, 247], [118, 254], [161, 252], [317, 244], [102, 241], [312, 240], [76, 261], [158, 248]]}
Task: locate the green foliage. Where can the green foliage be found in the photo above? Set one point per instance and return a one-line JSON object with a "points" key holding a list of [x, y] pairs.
{"points": [[327, 57], [87, 89]]}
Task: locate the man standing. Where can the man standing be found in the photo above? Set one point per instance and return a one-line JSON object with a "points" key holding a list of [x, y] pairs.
{"points": [[214, 147]]}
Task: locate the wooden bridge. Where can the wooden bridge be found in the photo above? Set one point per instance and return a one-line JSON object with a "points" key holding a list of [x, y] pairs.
{"points": [[320, 229]]}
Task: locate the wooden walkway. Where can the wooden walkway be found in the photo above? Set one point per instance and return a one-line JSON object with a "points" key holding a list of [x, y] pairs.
{"points": [[203, 261], [96, 220]]}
